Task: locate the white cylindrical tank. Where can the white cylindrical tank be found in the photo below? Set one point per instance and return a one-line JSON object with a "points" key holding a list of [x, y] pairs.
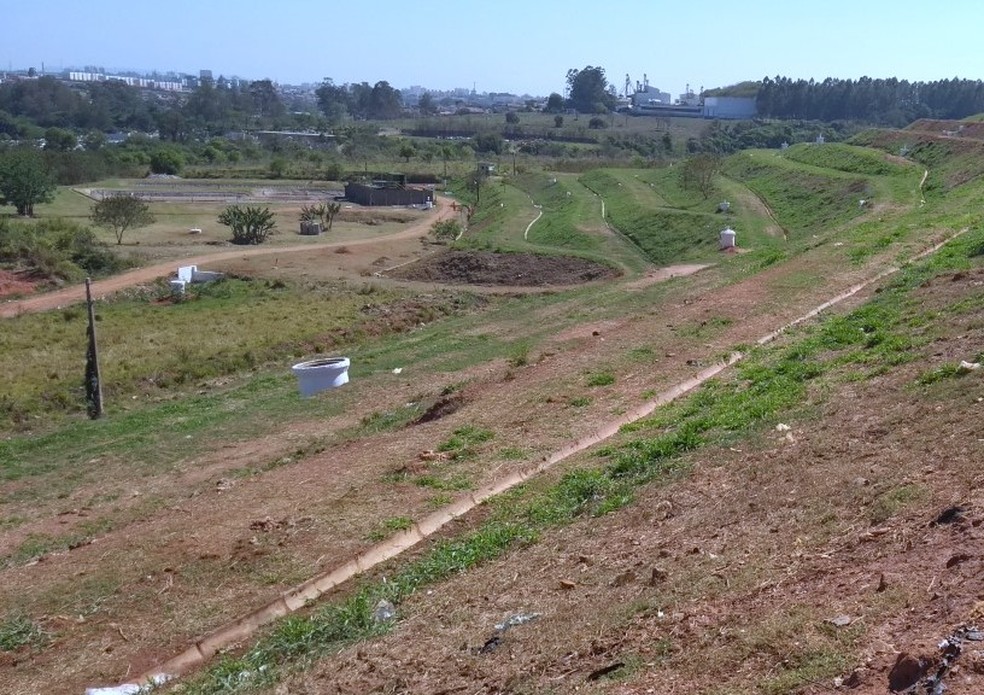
{"points": [[727, 239], [315, 376]]}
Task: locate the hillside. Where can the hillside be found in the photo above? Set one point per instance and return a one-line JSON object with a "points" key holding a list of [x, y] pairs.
{"points": [[748, 472]]}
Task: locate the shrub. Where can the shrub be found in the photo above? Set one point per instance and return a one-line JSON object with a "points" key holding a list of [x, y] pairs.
{"points": [[250, 225], [446, 230]]}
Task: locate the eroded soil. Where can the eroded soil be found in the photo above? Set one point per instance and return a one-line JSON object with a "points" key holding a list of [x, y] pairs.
{"points": [[513, 269]]}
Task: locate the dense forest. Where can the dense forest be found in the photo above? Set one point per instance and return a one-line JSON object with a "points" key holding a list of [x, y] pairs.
{"points": [[889, 101]]}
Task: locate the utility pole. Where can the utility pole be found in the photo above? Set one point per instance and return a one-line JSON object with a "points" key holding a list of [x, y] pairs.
{"points": [[93, 384]]}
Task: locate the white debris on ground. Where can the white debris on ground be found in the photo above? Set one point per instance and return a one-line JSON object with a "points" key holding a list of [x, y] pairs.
{"points": [[131, 688]]}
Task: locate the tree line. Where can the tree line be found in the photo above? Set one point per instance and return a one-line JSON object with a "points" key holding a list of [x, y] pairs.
{"points": [[28, 107], [888, 101]]}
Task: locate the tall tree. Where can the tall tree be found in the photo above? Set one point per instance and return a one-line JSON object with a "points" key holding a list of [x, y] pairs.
{"points": [[590, 91], [334, 101], [426, 104], [266, 99], [120, 212], [24, 180], [384, 101], [555, 103]]}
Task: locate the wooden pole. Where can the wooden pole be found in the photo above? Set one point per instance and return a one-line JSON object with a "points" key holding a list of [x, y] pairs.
{"points": [[93, 384]]}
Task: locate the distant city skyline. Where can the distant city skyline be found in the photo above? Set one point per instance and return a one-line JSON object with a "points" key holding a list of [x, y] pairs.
{"points": [[510, 46]]}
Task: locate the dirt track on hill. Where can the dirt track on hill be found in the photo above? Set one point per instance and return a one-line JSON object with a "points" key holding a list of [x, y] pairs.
{"points": [[102, 288]]}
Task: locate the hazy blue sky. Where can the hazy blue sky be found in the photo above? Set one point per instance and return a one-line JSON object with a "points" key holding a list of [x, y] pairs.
{"points": [[503, 45]]}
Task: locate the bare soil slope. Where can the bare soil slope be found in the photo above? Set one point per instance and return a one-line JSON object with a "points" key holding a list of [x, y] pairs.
{"points": [[830, 557]]}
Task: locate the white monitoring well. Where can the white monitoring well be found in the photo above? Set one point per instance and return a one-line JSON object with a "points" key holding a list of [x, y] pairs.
{"points": [[315, 376], [727, 239]]}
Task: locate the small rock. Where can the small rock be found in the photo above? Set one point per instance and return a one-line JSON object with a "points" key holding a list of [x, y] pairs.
{"points": [[969, 366], [976, 662], [855, 680], [783, 427], [950, 515], [266, 524], [658, 576], [882, 584], [957, 559], [840, 620], [905, 673], [491, 644], [567, 584]]}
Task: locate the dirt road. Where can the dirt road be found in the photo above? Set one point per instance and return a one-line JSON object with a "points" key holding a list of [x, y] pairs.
{"points": [[102, 288]]}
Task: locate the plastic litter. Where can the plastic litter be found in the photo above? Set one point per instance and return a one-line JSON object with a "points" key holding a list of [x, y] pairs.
{"points": [[514, 620], [130, 688], [969, 366], [397, 370], [783, 427], [384, 612]]}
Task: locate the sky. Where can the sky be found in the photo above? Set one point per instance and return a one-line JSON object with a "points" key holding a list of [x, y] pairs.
{"points": [[518, 46]]}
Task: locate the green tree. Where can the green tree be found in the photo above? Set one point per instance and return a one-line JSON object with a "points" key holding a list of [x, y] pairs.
{"points": [[322, 212], [120, 212], [24, 180], [697, 173], [331, 210], [426, 104], [266, 99], [446, 230], [249, 225], [59, 140], [93, 141], [555, 103], [446, 153], [512, 118], [407, 150], [278, 167], [597, 123], [558, 121], [590, 91], [166, 161], [334, 101]]}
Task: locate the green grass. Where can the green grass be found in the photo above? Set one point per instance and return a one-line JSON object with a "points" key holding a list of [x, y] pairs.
{"points": [[226, 328], [847, 158], [570, 223], [19, 631], [804, 199], [390, 526], [600, 379], [665, 235], [889, 503], [463, 442], [946, 371]]}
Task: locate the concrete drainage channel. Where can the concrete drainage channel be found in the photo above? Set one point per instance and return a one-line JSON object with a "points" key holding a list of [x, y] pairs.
{"points": [[299, 596]]}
